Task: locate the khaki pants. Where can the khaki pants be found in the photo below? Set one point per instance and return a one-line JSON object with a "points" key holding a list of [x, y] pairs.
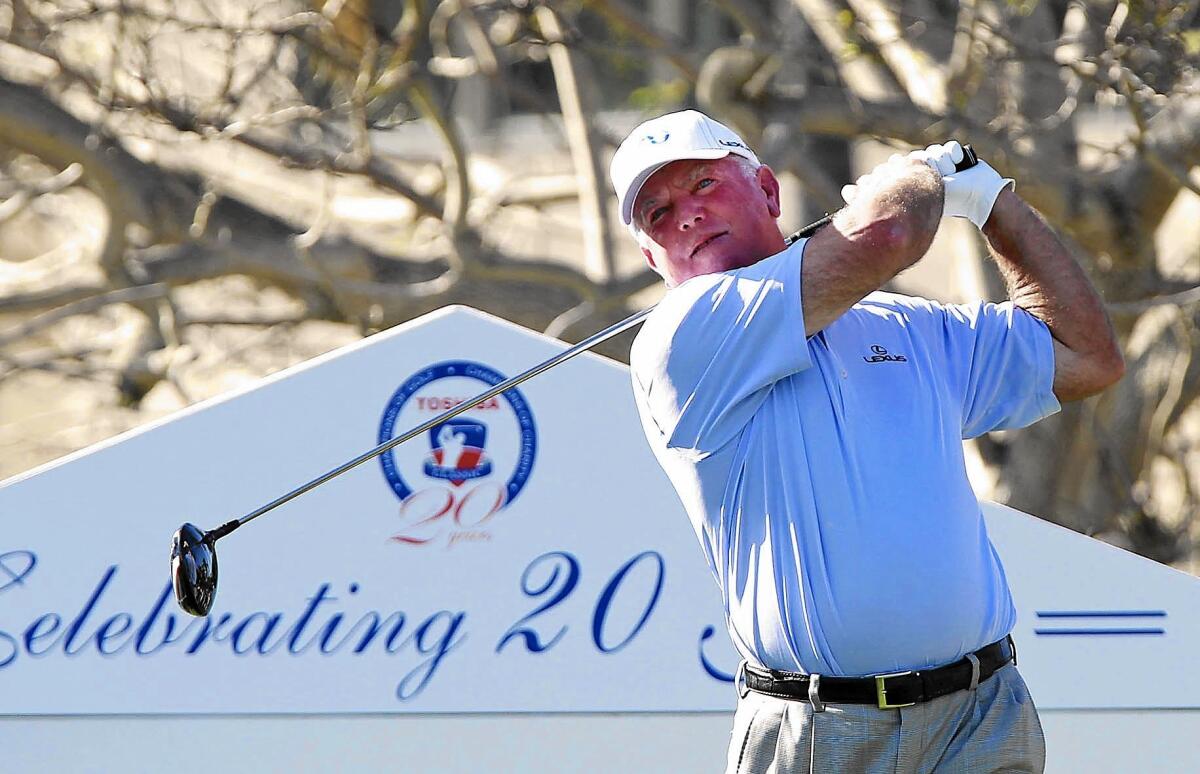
{"points": [[994, 728]]}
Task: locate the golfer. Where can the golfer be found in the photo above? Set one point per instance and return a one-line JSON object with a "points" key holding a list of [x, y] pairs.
{"points": [[812, 426]]}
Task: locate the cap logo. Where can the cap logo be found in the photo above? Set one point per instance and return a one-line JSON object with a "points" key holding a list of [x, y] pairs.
{"points": [[653, 141], [733, 144]]}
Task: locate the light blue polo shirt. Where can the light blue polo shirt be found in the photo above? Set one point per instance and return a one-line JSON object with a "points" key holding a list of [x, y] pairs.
{"points": [[825, 477]]}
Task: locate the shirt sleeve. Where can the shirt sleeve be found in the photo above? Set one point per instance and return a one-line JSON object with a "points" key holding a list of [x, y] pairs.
{"points": [[713, 348], [1000, 359]]}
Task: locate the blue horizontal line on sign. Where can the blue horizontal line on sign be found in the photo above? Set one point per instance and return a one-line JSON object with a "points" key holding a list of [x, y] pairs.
{"points": [[1094, 632], [1102, 614]]}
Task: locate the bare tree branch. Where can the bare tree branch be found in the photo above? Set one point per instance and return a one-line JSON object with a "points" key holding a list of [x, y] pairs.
{"points": [[82, 306], [922, 81], [864, 78], [625, 18], [598, 261]]}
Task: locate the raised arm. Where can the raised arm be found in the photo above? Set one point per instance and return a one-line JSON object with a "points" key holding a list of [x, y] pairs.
{"points": [[886, 227], [1044, 280]]}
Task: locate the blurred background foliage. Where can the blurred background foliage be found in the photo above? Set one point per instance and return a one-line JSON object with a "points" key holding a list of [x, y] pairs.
{"points": [[194, 193]]}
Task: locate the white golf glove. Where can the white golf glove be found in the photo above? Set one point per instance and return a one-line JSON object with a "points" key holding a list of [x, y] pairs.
{"points": [[971, 193]]}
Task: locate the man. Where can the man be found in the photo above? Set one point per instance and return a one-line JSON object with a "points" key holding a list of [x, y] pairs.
{"points": [[813, 429]]}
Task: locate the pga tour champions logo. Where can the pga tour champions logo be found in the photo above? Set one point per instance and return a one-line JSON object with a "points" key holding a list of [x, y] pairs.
{"points": [[454, 482]]}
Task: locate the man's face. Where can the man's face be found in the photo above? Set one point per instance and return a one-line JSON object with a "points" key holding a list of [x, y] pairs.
{"points": [[701, 216]]}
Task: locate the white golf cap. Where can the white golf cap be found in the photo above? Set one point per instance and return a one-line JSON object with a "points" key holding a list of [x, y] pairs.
{"points": [[688, 134]]}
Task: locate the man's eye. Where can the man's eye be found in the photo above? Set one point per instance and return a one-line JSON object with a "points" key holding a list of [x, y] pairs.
{"points": [[657, 214], [705, 183]]}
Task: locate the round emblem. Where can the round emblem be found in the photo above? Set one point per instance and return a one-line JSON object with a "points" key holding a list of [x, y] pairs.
{"points": [[493, 443]]}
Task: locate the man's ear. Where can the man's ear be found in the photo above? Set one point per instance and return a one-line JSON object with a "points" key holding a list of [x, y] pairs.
{"points": [[770, 188], [655, 267], [649, 258]]}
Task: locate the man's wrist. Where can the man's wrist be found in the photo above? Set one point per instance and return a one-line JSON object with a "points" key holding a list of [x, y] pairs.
{"points": [[1007, 205]]}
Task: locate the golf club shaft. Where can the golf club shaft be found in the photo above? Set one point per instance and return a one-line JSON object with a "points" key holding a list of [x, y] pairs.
{"points": [[969, 160], [461, 408]]}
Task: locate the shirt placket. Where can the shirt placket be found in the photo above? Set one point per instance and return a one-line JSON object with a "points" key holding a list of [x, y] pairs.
{"points": [[840, 371]]}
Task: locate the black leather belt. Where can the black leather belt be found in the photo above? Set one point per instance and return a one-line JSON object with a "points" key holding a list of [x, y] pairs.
{"points": [[899, 689]]}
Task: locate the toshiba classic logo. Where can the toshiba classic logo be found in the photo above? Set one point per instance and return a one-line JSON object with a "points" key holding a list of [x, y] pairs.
{"points": [[456, 481]]}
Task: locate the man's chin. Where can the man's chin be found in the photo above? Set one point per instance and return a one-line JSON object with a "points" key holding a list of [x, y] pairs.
{"points": [[714, 260], [726, 259]]}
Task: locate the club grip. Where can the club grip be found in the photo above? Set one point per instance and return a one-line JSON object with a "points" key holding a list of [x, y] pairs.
{"points": [[969, 159]]}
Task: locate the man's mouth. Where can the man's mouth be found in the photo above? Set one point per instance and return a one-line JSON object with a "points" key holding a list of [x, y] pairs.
{"points": [[708, 242]]}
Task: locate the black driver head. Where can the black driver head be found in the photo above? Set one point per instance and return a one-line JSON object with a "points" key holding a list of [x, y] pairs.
{"points": [[193, 569]]}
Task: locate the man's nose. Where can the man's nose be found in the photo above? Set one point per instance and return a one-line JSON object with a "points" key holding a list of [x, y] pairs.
{"points": [[690, 217]]}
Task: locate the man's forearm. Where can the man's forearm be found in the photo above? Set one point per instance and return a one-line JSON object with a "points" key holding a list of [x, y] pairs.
{"points": [[886, 229], [1045, 280]]}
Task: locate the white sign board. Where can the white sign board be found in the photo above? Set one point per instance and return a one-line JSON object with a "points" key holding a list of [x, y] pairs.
{"points": [[528, 558]]}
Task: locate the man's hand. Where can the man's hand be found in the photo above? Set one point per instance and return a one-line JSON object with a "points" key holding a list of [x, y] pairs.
{"points": [[884, 173], [970, 194]]}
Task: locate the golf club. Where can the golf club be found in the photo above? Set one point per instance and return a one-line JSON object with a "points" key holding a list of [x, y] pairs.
{"points": [[194, 553]]}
